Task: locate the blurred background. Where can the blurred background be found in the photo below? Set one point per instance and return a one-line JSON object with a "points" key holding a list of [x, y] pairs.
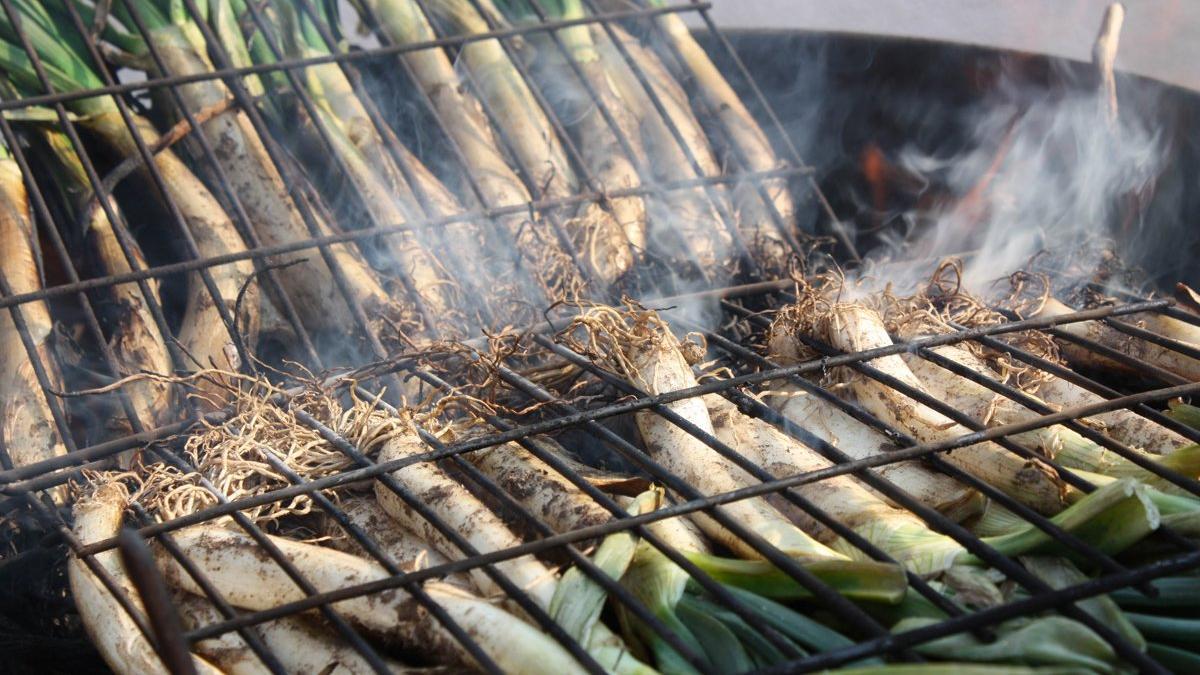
{"points": [[1159, 38], [976, 120]]}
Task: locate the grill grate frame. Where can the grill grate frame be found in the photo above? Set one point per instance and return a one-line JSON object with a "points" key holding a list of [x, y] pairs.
{"points": [[26, 487]]}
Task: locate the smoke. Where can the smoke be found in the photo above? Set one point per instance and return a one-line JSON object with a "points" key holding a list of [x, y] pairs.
{"points": [[1043, 172]]}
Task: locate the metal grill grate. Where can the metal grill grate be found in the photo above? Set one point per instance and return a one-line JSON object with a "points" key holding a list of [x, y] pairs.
{"points": [[27, 489]]}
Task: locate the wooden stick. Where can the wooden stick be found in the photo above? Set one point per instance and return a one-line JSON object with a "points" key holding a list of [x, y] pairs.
{"points": [[1104, 57]]}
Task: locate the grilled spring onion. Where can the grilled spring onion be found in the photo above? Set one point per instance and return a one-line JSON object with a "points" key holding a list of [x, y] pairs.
{"points": [[555, 500], [742, 135], [1056, 441], [1125, 425], [853, 327], [67, 62], [300, 646], [471, 519], [1163, 357], [858, 441], [639, 346], [578, 600], [693, 222], [1055, 643], [135, 339], [595, 233], [554, 274], [122, 644], [27, 424], [597, 142], [1116, 518], [235, 564], [405, 548], [369, 171], [546, 493], [260, 188], [896, 531]]}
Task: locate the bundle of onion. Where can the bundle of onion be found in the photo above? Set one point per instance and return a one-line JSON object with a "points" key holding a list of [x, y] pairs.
{"points": [[364, 171], [535, 245], [174, 45], [67, 63], [596, 235], [742, 141], [855, 327]]}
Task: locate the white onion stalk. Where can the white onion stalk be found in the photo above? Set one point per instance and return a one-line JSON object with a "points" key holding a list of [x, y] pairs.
{"points": [[473, 521], [743, 133], [1163, 357], [369, 170], [896, 531], [579, 599], [203, 334], [460, 510], [640, 346], [114, 633], [1056, 441], [679, 533], [405, 548], [547, 494], [853, 327], [692, 220], [574, 106], [136, 342], [298, 644], [596, 234], [403, 22], [1118, 517], [1180, 512], [859, 441], [1123, 425], [235, 564], [27, 425]]}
